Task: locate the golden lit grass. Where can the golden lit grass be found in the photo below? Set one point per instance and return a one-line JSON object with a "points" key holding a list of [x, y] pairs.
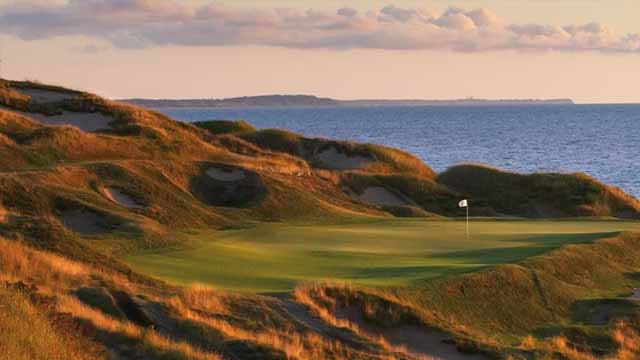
{"points": [[316, 299], [58, 275], [27, 334], [626, 338], [155, 342], [295, 345], [19, 262]]}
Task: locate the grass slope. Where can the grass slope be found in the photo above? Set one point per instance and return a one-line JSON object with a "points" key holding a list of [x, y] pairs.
{"points": [[539, 195], [27, 333], [277, 257]]}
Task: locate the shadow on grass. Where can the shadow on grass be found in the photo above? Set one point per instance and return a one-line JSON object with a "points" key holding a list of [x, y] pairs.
{"points": [[532, 246]]}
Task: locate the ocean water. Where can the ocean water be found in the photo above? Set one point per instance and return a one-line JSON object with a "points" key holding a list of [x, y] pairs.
{"points": [[601, 140]]}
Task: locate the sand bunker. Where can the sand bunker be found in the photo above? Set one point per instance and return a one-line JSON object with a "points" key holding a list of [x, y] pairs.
{"points": [[378, 195], [416, 339], [83, 222], [83, 121], [121, 198], [222, 174], [46, 96], [332, 159]]}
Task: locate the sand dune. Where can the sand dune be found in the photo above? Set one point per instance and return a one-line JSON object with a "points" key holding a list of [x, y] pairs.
{"points": [[46, 96], [333, 159], [121, 198], [378, 195], [222, 174]]}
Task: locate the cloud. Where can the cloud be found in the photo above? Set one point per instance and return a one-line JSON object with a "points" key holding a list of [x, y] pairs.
{"points": [[151, 23]]}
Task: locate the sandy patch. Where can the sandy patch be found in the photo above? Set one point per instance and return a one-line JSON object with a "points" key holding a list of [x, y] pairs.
{"points": [[46, 96], [83, 222], [417, 340], [84, 121], [333, 159], [121, 198], [378, 195], [221, 174]]}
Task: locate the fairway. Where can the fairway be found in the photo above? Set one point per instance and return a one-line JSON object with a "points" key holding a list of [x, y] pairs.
{"points": [[276, 257]]}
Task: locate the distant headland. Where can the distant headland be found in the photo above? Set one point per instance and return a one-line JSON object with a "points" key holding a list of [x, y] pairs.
{"points": [[314, 101]]}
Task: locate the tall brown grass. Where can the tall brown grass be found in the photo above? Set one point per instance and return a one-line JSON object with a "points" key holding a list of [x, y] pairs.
{"points": [[27, 334], [626, 337], [156, 341], [324, 306]]}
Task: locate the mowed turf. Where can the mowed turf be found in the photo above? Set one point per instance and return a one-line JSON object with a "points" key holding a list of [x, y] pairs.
{"points": [[276, 257]]}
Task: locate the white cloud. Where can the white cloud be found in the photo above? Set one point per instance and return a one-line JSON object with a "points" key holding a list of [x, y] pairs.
{"points": [[150, 23]]}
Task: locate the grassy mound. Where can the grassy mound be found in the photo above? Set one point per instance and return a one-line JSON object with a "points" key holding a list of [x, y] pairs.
{"points": [[218, 127], [373, 158], [539, 195], [519, 309], [425, 193]]}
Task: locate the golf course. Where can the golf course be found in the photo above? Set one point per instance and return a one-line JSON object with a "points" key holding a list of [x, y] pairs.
{"points": [[277, 257], [125, 234]]}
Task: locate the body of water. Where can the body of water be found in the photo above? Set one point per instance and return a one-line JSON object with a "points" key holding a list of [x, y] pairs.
{"points": [[601, 140]]}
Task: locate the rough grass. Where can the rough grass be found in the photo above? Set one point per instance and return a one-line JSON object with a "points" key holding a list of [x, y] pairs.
{"points": [[539, 194], [196, 322], [27, 333], [426, 193], [218, 127], [384, 160]]}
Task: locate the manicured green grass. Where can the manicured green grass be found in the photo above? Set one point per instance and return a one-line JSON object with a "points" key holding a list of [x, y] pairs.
{"points": [[276, 257]]}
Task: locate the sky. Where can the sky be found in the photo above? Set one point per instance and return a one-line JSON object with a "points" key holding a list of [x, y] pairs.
{"points": [[587, 50]]}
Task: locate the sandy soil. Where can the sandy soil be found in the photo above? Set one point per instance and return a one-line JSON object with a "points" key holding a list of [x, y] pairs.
{"points": [[333, 159], [121, 198], [84, 121], [380, 196], [46, 96], [416, 339], [84, 222], [225, 175]]}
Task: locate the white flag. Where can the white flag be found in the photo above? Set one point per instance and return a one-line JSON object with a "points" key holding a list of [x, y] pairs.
{"points": [[463, 203]]}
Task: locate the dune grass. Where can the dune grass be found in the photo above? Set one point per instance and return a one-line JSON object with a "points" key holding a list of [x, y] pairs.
{"points": [[276, 257], [27, 334]]}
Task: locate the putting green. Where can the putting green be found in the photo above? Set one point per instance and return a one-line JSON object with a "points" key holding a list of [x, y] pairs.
{"points": [[275, 257]]}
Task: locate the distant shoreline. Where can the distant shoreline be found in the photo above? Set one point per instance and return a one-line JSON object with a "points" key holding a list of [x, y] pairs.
{"points": [[299, 101]]}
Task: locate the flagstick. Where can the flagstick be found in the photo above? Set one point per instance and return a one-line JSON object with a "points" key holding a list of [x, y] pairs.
{"points": [[467, 222]]}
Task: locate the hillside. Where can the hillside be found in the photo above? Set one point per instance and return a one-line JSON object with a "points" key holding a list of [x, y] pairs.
{"points": [[86, 183]]}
